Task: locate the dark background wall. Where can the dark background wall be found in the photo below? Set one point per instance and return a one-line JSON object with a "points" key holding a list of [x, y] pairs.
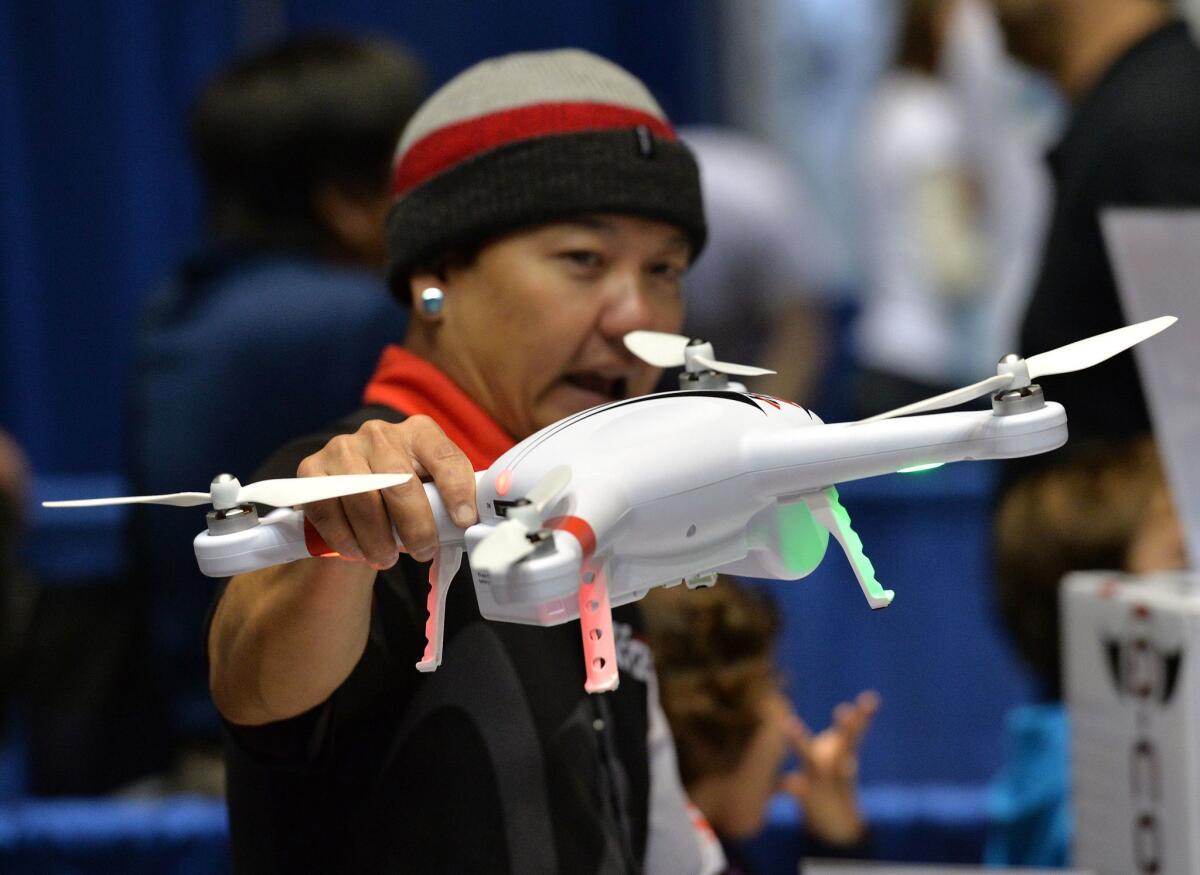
{"points": [[97, 193]]}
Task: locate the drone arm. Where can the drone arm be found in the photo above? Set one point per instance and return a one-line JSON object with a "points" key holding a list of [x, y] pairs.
{"points": [[280, 537], [809, 459], [285, 535]]}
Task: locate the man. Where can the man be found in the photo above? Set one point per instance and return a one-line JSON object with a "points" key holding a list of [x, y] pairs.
{"points": [[543, 208]]}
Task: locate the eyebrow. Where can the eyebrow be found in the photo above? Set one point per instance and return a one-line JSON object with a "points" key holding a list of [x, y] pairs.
{"points": [[593, 223]]}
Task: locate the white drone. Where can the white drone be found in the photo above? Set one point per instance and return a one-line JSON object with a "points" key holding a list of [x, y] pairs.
{"points": [[595, 510]]}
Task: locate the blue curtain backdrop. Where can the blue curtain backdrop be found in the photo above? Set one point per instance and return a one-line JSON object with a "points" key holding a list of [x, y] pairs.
{"points": [[98, 197]]}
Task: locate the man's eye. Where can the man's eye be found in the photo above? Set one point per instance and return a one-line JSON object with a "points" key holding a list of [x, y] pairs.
{"points": [[668, 271], [583, 258]]}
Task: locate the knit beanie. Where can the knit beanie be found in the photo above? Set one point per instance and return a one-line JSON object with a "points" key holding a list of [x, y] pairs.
{"points": [[530, 138]]}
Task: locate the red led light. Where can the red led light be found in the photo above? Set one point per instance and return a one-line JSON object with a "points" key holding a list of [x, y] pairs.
{"points": [[504, 482]]}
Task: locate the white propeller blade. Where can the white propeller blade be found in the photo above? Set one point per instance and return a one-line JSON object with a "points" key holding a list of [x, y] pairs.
{"points": [[657, 348], [670, 350], [1085, 353], [948, 399], [276, 493], [548, 488], [504, 546], [732, 369], [303, 490], [1064, 360], [177, 499]]}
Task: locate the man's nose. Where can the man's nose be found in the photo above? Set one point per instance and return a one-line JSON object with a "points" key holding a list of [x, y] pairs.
{"points": [[628, 308]]}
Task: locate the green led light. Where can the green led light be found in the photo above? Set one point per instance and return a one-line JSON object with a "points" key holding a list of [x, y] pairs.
{"points": [[802, 542], [915, 468]]}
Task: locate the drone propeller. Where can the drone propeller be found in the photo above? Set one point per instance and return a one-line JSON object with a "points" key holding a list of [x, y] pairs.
{"points": [[510, 542], [672, 350], [227, 492], [1016, 373]]}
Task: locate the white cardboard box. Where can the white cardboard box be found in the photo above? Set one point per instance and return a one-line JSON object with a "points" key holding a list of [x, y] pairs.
{"points": [[1133, 694]]}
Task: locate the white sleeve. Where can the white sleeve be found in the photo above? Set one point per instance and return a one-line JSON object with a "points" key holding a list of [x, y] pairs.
{"points": [[679, 841]]}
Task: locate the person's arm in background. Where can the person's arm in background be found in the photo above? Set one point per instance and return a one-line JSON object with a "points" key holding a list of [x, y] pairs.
{"points": [[283, 639], [826, 783]]}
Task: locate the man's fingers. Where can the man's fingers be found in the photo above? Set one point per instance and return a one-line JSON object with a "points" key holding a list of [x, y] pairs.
{"points": [[449, 467], [361, 526], [327, 518], [380, 447]]}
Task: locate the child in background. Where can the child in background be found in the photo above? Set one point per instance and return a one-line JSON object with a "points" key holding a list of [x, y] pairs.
{"points": [[734, 726], [1108, 507]]}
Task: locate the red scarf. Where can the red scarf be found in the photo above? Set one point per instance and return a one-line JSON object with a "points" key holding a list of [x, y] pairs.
{"points": [[408, 383]]}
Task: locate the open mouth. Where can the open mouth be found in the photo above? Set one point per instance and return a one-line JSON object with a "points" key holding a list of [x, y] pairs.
{"points": [[590, 381]]}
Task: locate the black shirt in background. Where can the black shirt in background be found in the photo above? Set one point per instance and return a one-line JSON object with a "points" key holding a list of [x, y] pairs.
{"points": [[1133, 140]]}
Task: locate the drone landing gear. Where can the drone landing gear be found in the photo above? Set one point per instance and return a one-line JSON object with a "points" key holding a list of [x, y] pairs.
{"points": [[441, 573], [827, 510], [595, 621]]}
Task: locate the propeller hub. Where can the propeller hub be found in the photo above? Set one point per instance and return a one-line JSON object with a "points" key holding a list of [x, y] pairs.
{"points": [[526, 513], [224, 491], [706, 379], [1017, 368], [693, 355]]}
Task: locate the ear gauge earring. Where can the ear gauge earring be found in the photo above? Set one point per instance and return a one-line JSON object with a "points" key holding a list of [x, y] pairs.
{"points": [[432, 300]]}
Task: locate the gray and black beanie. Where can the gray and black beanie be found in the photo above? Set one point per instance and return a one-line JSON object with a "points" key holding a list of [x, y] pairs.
{"points": [[530, 138]]}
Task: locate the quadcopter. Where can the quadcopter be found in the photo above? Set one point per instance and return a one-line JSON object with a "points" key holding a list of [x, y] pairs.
{"points": [[598, 508]]}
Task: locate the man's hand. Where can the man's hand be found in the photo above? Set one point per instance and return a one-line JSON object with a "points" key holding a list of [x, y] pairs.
{"points": [[360, 526], [283, 639], [827, 782]]}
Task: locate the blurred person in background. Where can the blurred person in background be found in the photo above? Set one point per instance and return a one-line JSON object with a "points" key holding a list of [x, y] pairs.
{"points": [[1108, 508], [1131, 71], [765, 287], [270, 329], [735, 728], [953, 201]]}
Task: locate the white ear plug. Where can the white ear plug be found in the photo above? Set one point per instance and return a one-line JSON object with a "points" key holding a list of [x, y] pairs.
{"points": [[432, 300]]}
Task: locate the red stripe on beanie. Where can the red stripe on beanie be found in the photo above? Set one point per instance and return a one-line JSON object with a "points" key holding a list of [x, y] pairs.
{"points": [[447, 146]]}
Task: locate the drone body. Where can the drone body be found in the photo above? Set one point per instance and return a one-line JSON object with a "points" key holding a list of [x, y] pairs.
{"points": [[665, 488]]}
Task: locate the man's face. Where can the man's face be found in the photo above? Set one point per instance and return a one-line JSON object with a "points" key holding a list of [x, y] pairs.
{"points": [[1032, 31], [532, 328]]}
